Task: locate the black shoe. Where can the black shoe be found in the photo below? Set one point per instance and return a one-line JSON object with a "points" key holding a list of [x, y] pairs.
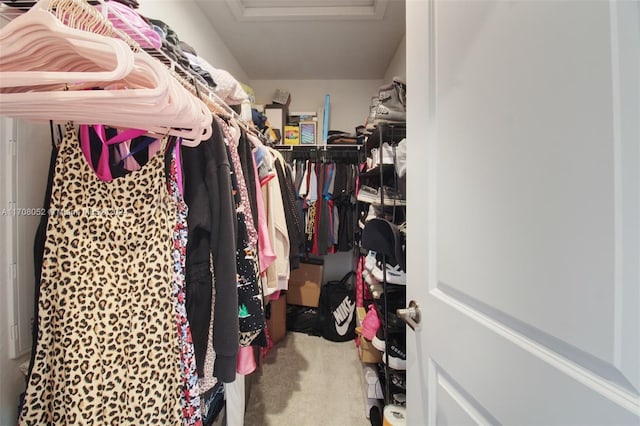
{"points": [[398, 381], [398, 388], [395, 350], [395, 300]]}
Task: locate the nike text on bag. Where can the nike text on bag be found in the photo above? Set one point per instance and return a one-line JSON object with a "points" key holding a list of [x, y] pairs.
{"points": [[337, 308]]}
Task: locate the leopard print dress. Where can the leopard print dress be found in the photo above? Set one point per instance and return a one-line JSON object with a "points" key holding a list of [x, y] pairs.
{"points": [[108, 348]]}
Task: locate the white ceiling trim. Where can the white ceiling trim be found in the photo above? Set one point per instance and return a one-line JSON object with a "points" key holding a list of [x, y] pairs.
{"points": [[245, 13]]}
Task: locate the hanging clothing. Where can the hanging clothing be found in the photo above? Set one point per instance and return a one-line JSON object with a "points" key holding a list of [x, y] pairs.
{"points": [[108, 348], [250, 313], [248, 170], [278, 272], [266, 253], [344, 196], [207, 381], [295, 228], [38, 249], [190, 396], [326, 203], [212, 233], [232, 138]]}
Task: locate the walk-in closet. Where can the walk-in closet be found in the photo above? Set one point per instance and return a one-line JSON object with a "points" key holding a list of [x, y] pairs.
{"points": [[319, 212], [185, 217]]}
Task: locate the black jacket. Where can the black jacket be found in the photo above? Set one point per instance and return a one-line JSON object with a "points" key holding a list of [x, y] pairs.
{"points": [[212, 231]]}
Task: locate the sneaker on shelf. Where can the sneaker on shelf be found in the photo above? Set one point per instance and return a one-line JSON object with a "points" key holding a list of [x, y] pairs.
{"points": [[396, 298], [403, 228], [375, 101], [399, 399], [394, 323], [401, 158], [392, 107], [370, 260], [397, 387], [361, 222], [378, 340], [389, 114], [388, 156], [396, 353], [371, 195], [392, 198], [370, 164], [367, 194], [370, 323], [395, 275], [369, 278], [398, 380], [371, 213]]}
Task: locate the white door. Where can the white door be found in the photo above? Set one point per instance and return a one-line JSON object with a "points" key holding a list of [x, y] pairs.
{"points": [[524, 212]]}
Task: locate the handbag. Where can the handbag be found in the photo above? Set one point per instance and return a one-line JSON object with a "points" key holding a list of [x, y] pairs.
{"points": [[337, 306]]}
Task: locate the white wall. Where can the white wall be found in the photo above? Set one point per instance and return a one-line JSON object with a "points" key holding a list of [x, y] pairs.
{"points": [[398, 65], [188, 21], [350, 99], [16, 303]]}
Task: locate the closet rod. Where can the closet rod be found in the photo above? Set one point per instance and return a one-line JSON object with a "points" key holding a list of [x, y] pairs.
{"points": [[317, 147]]}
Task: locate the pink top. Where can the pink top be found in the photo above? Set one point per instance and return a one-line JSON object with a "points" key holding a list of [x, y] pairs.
{"points": [[246, 361], [102, 170], [266, 253]]}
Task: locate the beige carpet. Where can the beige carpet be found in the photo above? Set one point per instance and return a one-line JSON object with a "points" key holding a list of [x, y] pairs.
{"points": [[307, 381]]}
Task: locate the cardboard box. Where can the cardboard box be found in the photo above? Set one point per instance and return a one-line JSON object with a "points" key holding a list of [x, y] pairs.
{"points": [[360, 314], [277, 323], [368, 353], [304, 285]]}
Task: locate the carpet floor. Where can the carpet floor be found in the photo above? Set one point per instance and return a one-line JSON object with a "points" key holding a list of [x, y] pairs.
{"points": [[307, 381]]}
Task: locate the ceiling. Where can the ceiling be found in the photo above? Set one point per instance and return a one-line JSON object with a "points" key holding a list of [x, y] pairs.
{"points": [[309, 39]]}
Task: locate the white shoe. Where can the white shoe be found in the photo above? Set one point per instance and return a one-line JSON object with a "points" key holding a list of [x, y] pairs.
{"points": [[401, 158], [371, 195], [368, 194], [370, 260], [388, 156], [395, 275]]}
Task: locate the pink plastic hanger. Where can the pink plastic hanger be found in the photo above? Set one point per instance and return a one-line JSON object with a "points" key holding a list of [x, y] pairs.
{"points": [[40, 30], [146, 96]]}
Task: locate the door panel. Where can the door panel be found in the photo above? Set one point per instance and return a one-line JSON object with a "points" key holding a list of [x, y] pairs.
{"points": [[524, 246], [513, 176], [513, 379]]}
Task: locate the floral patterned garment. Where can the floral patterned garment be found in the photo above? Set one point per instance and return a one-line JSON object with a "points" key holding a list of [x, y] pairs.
{"points": [[190, 397], [250, 309]]}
